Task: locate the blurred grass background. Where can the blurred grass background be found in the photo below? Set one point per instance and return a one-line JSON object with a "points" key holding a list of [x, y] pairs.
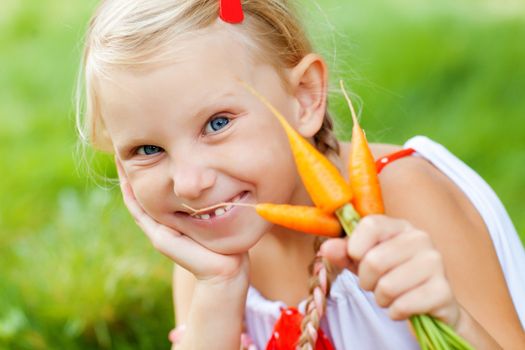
{"points": [[74, 271]]}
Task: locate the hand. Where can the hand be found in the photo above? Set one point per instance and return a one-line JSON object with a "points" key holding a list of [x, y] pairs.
{"points": [[399, 264], [184, 251]]}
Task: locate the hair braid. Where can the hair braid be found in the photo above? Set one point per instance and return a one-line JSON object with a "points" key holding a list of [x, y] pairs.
{"points": [[326, 142], [320, 269]]}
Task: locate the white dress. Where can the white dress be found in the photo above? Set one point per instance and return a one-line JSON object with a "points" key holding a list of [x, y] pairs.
{"points": [[353, 320]]}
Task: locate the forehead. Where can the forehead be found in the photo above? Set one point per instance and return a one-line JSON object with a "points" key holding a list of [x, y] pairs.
{"points": [[205, 66], [207, 60]]}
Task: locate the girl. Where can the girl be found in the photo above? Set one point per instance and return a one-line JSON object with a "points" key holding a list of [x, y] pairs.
{"points": [[163, 94]]}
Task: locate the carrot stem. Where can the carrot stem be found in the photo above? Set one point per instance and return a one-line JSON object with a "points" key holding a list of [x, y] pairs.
{"points": [[348, 217]]}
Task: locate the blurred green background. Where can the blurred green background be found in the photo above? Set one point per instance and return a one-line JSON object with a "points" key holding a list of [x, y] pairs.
{"points": [[75, 273]]}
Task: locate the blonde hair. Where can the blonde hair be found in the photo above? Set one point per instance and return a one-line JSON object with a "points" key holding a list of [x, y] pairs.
{"points": [[135, 34]]}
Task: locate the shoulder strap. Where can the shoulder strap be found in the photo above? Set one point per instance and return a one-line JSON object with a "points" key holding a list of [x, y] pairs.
{"points": [[385, 160]]}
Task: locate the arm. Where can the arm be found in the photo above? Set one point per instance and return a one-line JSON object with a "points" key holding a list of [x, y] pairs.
{"points": [[183, 286], [214, 318], [215, 315], [459, 234]]}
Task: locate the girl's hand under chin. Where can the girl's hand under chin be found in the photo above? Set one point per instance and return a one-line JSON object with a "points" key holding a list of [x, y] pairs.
{"points": [[400, 265], [205, 264]]}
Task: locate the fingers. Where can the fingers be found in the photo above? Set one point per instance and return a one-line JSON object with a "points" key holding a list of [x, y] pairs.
{"points": [[335, 250], [432, 297], [152, 228], [145, 222], [161, 237], [407, 276], [386, 255], [125, 188], [178, 247], [120, 169], [399, 264], [372, 230], [165, 239]]}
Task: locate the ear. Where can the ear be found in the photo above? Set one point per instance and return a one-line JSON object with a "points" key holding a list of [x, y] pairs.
{"points": [[308, 82]]}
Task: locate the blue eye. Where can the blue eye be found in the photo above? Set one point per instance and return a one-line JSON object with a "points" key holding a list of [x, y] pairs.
{"points": [[216, 124], [148, 150]]}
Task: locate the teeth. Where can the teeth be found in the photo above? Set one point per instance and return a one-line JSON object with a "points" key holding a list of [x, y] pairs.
{"points": [[219, 211]]}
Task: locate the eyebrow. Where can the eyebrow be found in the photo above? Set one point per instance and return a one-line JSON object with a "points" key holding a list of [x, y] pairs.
{"points": [[212, 103]]}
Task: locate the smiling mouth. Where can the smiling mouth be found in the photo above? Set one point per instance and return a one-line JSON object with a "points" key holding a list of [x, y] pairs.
{"points": [[216, 212]]}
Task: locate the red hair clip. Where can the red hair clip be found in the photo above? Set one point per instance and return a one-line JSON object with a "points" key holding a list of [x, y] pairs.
{"points": [[231, 11]]}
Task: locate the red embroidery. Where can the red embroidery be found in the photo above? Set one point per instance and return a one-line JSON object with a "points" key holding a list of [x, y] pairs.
{"points": [[287, 331], [384, 161]]}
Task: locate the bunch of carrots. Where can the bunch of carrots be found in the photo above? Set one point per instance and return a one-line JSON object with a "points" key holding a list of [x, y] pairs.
{"points": [[339, 204]]}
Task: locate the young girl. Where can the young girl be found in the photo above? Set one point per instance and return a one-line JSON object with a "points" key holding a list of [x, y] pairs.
{"points": [[163, 93]]}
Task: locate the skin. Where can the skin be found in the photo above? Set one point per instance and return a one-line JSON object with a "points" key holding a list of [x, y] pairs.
{"points": [[431, 274]]}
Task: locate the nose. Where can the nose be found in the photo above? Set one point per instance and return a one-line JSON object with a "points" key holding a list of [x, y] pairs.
{"points": [[191, 179]]}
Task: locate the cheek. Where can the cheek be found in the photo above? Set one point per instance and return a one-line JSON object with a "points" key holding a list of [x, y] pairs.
{"points": [[269, 165], [278, 177], [150, 190]]}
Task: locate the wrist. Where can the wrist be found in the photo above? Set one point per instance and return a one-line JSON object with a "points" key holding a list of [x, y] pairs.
{"points": [[235, 277], [231, 287], [471, 330], [234, 270]]}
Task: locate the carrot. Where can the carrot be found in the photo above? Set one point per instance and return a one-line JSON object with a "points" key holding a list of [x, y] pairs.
{"points": [[300, 218], [323, 182], [431, 333], [362, 169]]}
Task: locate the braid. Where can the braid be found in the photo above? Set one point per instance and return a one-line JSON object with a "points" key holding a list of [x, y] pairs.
{"points": [[319, 289], [319, 269], [326, 142]]}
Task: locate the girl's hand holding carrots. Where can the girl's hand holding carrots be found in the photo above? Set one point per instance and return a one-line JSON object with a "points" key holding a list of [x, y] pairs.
{"points": [[395, 261], [399, 264]]}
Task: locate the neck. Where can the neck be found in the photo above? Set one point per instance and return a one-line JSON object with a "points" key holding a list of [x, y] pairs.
{"points": [[280, 260], [279, 265]]}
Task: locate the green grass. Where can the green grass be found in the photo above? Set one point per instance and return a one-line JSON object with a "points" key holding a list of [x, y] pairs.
{"points": [[76, 273]]}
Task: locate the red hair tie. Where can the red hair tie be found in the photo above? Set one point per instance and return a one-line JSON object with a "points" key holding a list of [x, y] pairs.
{"points": [[231, 11]]}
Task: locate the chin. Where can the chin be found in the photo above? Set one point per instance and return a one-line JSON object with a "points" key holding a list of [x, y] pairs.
{"points": [[238, 243], [246, 234], [232, 245]]}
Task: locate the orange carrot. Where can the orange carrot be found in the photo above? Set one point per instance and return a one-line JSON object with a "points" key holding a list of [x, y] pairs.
{"points": [[362, 169], [296, 217], [323, 182], [300, 218]]}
